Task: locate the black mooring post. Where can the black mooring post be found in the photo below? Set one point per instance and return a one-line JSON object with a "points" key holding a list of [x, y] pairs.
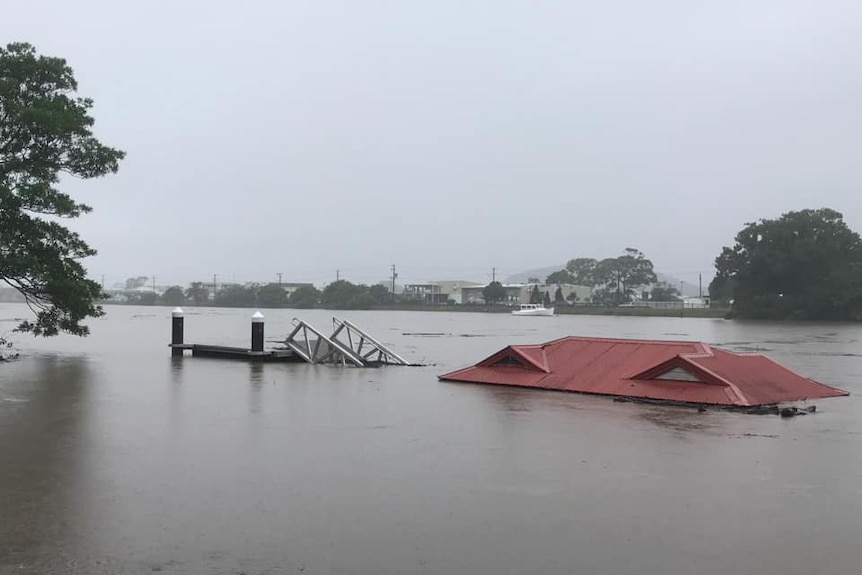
{"points": [[177, 332], [257, 331]]}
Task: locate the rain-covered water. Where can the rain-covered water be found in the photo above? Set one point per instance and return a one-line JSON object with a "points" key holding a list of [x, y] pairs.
{"points": [[117, 459]]}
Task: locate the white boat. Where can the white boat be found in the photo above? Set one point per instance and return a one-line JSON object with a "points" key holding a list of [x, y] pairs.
{"points": [[533, 309]]}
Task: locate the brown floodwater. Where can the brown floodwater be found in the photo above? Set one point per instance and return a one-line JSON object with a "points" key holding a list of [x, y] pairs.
{"points": [[117, 459]]}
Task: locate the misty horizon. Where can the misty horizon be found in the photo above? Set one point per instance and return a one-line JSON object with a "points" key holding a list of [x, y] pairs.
{"points": [[451, 138]]}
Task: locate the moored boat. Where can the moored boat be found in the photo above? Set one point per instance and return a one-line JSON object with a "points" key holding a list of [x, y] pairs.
{"points": [[533, 309]]}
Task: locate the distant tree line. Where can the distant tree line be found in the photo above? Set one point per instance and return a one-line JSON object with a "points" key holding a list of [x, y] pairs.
{"points": [[341, 294], [804, 265]]}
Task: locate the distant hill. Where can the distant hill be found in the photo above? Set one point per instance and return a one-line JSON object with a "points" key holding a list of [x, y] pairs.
{"points": [[541, 273], [689, 289]]}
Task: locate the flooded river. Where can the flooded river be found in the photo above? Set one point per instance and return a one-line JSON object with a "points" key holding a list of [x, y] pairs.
{"points": [[117, 459]]}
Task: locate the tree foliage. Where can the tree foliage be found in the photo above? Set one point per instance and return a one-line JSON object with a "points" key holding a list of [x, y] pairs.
{"points": [[535, 295], [198, 293], [380, 294], [494, 292], [803, 265], [559, 277], [664, 292], [136, 282], [615, 278], [546, 299], [173, 296], [342, 294], [45, 132], [582, 271], [622, 274], [236, 296], [558, 296], [272, 296], [305, 297]]}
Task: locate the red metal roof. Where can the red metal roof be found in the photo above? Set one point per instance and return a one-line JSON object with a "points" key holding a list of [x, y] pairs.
{"points": [[685, 371]]}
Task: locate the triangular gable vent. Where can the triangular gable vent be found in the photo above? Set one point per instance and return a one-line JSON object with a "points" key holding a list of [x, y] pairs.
{"points": [[509, 360], [514, 357], [678, 374]]}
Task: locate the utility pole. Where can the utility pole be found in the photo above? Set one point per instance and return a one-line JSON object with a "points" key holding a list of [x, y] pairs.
{"points": [[154, 284], [279, 277], [215, 278], [700, 284], [103, 281], [493, 275], [394, 275], [338, 275]]}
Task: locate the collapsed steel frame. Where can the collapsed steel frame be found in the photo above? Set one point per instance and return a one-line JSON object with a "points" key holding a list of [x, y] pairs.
{"points": [[348, 345]]}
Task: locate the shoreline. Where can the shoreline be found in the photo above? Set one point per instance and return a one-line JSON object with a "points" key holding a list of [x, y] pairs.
{"points": [[712, 313]]}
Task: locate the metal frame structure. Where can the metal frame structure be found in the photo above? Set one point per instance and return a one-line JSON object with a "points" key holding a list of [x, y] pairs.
{"points": [[363, 345], [319, 350], [359, 348]]}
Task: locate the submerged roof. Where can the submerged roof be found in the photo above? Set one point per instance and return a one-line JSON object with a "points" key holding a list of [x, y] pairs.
{"points": [[684, 371]]}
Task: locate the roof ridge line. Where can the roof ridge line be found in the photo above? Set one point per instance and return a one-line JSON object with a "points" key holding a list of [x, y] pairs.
{"points": [[630, 340]]}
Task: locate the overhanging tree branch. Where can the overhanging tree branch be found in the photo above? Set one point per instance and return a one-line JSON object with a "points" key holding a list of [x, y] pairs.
{"points": [[46, 131]]}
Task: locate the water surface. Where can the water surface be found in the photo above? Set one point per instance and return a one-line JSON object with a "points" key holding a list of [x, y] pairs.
{"points": [[116, 458]]}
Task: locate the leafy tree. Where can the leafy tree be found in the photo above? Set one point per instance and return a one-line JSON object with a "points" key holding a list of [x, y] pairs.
{"points": [[559, 277], [803, 265], [535, 295], [380, 294], [272, 295], [135, 283], [494, 292], [582, 271], [546, 299], [620, 275], [572, 298], [664, 292], [558, 296], [236, 296], [342, 294], [305, 297], [173, 296], [45, 131], [198, 293]]}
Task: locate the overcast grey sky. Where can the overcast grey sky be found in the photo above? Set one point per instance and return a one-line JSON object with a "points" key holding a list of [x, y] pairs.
{"points": [[450, 136]]}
